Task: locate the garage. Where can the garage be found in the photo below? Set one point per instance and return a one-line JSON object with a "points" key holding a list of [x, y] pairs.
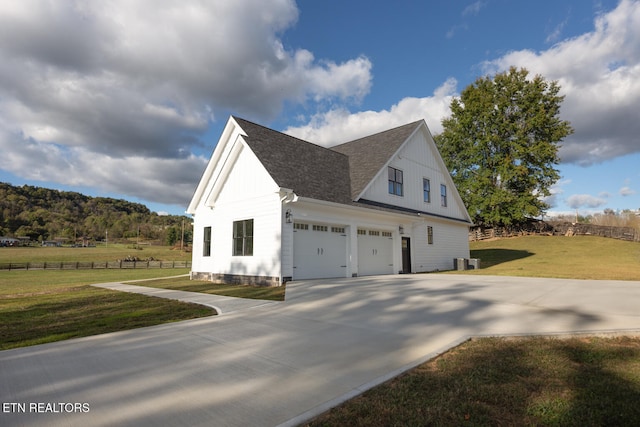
{"points": [[319, 251], [375, 252]]}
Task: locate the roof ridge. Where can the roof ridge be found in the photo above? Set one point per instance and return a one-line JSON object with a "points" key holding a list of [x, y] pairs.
{"points": [[237, 119], [414, 123]]}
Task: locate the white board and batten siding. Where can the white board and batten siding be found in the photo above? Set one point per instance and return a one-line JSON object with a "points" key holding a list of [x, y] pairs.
{"points": [[249, 192], [448, 243], [418, 159]]}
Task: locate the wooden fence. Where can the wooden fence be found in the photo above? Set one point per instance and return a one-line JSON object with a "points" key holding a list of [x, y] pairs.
{"points": [[556, 229], [93, 265]]}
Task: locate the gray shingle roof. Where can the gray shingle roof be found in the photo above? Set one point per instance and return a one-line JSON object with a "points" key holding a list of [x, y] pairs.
{"points": [[308, 169], [369, 154], [338, 174]]}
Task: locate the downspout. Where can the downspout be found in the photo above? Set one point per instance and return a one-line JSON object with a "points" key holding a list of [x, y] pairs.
{"points": [[287, 196]]}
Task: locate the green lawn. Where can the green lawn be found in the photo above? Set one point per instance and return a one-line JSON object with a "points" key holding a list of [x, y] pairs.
{"points": [[111, 252], [44, 306], [578, 257], [508, 382], [273, 293]]}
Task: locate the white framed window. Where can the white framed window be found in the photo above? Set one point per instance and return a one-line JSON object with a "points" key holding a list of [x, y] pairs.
{"points": [[443, 195], [430, 235]]}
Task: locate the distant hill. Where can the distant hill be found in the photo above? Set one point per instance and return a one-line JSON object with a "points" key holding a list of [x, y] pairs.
{"points": [[45, 214]]}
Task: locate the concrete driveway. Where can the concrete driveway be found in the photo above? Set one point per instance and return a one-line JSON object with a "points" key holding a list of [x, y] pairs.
{"points": [[281, 363]]}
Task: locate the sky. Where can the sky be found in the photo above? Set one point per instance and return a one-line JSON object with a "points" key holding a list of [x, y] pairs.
{"points": [[127, 98]]}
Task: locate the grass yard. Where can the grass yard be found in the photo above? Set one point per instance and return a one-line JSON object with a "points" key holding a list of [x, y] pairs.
{"points": [[274, 293], [112, 252], [520, 381], [578, 257], [44, 306]]}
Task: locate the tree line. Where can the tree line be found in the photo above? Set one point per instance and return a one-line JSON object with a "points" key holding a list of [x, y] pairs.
{"points": [[43, 214]]}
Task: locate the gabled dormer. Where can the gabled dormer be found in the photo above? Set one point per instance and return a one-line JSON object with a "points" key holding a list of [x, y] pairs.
{"points": [[401, 168]]}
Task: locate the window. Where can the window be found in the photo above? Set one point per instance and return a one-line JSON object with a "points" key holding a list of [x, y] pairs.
{"points": [[362, 232], [337, 229], [374, 233], [243, 238], [320, 228], [206, 242], [443, 195], [426, 190], [386, 234], [395, 181], [299, 226], [430, 235]]}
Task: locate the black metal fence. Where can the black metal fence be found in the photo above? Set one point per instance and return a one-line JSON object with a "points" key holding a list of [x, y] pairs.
{"points": [[93, 265]]}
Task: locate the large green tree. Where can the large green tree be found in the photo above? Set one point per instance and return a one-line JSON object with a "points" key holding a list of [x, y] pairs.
{"points": [[501, 145]]}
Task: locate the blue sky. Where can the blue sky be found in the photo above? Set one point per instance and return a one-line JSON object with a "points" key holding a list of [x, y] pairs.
{"points": [[127, 98]]}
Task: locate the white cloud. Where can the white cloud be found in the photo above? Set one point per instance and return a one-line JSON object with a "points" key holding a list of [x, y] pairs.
{"points": [[556, 191], [599, 73], [338, 125], [88, 89], [627, 191], [556, 33], [585, 200], [474, 8]]}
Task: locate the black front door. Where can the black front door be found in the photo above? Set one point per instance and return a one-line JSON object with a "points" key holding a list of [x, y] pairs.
{"points": [[406, 255]]}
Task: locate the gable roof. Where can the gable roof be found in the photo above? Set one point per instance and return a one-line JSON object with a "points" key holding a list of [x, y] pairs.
{"points": [[309, 170], [369, 154], [339, 174]]}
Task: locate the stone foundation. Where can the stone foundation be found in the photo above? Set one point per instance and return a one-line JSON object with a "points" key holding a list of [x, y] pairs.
{"points": [[239, 279]]}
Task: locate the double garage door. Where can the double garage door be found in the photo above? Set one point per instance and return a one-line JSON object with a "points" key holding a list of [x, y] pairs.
{"points": [[320, 251]]}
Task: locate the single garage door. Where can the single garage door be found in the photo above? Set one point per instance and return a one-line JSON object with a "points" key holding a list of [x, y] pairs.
{"points": [[375, 252], [319, 251]]}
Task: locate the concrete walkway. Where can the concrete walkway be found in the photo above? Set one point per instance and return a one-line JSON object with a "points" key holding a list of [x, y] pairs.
{"points": [[282, 363], [221, 304]]}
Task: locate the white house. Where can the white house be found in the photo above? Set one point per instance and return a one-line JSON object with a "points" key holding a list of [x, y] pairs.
{"points": [[271, 208]]}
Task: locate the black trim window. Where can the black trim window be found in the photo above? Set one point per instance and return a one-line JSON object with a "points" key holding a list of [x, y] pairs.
{"points": [[206, 242], [430, 235], [443, 195], [426, 190], [395, 181], [243, 238]]}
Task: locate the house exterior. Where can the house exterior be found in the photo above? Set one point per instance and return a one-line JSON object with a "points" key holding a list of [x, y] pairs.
{"points": [[271, 208]]}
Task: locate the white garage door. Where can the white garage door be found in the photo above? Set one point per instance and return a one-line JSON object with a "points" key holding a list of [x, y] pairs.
{"points": [[375, 252], [319, 251]]}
